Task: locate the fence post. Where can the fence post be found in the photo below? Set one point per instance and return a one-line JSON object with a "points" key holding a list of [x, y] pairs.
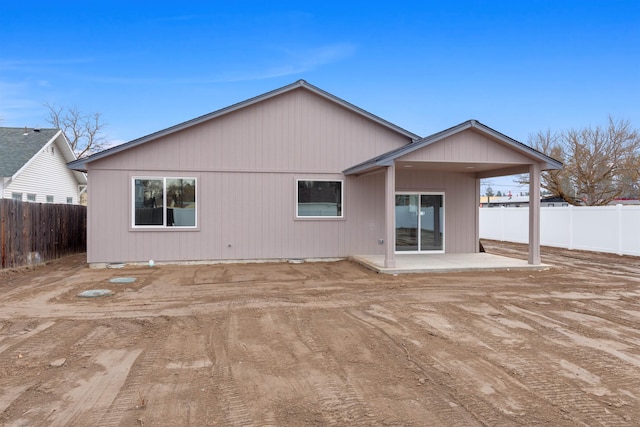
{"points": [[619, 216], [502, 223], [570, 246]]}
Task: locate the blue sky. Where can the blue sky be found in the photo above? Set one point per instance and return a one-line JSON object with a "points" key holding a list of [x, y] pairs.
{"points": [[517, 66]]}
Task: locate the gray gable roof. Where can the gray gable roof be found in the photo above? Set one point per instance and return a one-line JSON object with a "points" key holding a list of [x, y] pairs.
{"points": [[19, 145], [80, 164], [388, 158]]}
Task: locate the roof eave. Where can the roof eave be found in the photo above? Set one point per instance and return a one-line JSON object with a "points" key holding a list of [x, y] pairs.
{"points": [[549, 162], [359, 110], [81, 164], [388, 158]]}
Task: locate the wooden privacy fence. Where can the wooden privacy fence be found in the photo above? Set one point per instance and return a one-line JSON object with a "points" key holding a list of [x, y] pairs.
{"points": [[31, 233]]}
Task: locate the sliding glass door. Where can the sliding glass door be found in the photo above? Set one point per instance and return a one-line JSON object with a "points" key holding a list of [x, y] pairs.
{"points": [[419, 222]]}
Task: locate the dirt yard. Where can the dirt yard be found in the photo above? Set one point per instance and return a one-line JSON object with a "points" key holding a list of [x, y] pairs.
{"points": [[323, 344]]}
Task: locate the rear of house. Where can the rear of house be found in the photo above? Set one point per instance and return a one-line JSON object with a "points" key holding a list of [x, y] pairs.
{"points": [[276, 177]]}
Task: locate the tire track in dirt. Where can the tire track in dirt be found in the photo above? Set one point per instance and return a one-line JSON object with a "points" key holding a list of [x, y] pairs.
{"points": [[96, 394], [39, 347], [130, 397], [177, 395], [442, 402], [11, 340], [538, 371], [229, 399], [52, 382], [339, 402]]}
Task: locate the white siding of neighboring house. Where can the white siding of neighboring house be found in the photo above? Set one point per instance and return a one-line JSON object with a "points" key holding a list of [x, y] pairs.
{"points": [[47, 174]]}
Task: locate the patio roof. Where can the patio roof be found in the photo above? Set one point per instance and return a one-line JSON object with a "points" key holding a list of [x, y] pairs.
{"points": [[387, 159], [441, 263]]}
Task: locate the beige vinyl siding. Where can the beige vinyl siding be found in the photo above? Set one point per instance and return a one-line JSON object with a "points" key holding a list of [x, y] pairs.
{"points": [[46, 175], [364, 207], [241, 216], [247, 163], [295, 132], [468, 146], [460, 204]]}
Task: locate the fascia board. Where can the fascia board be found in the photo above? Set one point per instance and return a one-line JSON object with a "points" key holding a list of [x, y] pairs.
{"points": [[549, 162], [67, 152], [388, 158], [359, 110]]}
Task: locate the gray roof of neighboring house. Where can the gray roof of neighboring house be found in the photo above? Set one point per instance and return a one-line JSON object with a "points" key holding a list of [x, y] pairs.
{"points": [[16, 148], [80, 164]]}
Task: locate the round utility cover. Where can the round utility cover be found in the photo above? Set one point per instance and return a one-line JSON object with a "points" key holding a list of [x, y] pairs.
{"points": [[95, 293], [123, 280]]}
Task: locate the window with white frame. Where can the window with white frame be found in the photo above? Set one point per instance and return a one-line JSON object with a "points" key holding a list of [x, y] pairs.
{"points": [[164, 202], [16, 196], [69, 200], [31, 197], [49, 199], [318, 198]]}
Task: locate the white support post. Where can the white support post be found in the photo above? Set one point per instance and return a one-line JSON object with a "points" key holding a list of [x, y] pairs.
{"points": [[390, 216], [477, 218]]}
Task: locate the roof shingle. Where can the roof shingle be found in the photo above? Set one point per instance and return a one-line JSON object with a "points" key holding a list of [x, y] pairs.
{"points": [[16, 147]]}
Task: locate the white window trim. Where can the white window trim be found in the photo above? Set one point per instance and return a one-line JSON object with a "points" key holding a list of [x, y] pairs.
{"points": [[329, 218], [163, 227]]}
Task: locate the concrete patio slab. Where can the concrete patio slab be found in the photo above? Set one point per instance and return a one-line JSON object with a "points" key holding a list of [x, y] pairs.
{"points": [[436, 263]]}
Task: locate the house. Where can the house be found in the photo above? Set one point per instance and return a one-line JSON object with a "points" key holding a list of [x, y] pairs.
{"points": [[520, 201], [33, 167], [297, 173]]}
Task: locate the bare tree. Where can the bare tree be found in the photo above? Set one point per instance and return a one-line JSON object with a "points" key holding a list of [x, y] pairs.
{"points": [[557, 182], [600, 163], [84, 132], [600, 157]]}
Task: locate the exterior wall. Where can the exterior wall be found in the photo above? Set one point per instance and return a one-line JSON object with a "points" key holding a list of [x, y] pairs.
{"points": [[246, 163], [240, 216], [46, 175], [460, 204], [294, 132], [468, 146]]}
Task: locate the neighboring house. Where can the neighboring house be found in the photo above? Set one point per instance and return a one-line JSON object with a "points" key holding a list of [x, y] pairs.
{"points": [[297, 173], [33, 167], [520, 201], [625, 201]]}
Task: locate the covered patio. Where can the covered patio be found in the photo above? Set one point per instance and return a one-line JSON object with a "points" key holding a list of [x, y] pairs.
{"points": [[431, 199], [440, 263]]}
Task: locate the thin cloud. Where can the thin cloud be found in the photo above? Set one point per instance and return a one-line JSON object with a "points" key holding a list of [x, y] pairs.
{"points": [[19, 64], [302, 61], [292, 62]]}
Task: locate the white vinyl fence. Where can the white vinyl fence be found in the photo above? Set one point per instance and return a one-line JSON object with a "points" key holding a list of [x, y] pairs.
{"points": [[613, 229]]}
